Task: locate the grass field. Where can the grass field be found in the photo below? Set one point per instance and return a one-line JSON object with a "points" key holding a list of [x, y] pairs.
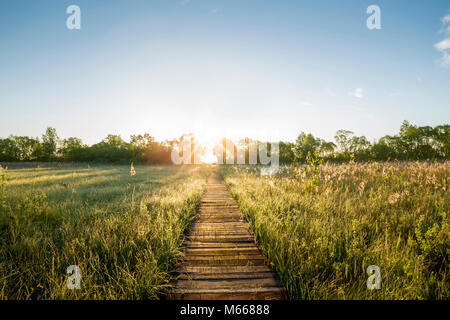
{"points": [[319, 229], [322, 230], [122, 231]]}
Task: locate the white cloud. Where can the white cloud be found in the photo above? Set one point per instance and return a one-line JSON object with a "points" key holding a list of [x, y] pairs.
{"points": [[443, 45], [445, 60], [184, 2], [306, 104], [446, 21], [216, 10], [358, 93]]}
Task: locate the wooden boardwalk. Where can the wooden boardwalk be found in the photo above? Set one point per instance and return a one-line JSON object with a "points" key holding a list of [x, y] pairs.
{"points": [[221, 260]]}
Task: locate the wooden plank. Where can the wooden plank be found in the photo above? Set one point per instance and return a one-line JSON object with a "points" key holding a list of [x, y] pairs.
{"points": [[227, 275], [219, 233], [226, 238], [227, 283], [223, 269], [220, 259], [224, 262], [221, 251], [271, 293], [197, 244]]}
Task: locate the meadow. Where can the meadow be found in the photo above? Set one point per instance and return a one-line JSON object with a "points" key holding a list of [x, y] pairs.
{"points": [[319, 225], [322, 225], [122, 230]]}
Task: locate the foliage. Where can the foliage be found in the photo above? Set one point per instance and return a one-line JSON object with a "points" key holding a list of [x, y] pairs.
{"points": [[123, 231], [313, 173], [113, 149], [412, 143], [49, 144], [321, 240]]}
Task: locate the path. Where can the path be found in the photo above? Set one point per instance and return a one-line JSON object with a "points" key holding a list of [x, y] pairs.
{"points": [[221, 260]]}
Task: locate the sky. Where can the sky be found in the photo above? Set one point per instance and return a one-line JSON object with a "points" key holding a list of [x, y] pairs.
{"points": [[263, 69]]}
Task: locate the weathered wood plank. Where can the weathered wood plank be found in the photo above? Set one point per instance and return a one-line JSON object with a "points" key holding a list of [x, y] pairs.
{"points": [[228, 275], [223, 269], [197, 244], [221, 251], [271, 293], [227, 283], [220, 259]]}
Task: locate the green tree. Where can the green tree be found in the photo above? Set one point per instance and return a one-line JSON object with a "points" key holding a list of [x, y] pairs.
{"points": [[72, 149], [305, 143], [326, 149], [142, 147], [49, 144], [442, 140], [342, 138], [286, 152]]}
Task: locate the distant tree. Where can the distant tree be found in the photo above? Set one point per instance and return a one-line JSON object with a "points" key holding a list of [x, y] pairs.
{"points": [[110, 149], [342, 138], [411, 143], [142, 147], [19, 148], [161, 152], [352, 147], [72, 149], [360, 148], [286, 151], [305, 143], [442, 140], [7, 152], [417, 143], [326, 149], [381, 150], [49, 144]]}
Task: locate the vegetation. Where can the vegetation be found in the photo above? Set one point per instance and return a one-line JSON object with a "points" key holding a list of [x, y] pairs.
{"points": [[335, 209], [411, 143], [122, 230], [322, 225], [112, 149]]}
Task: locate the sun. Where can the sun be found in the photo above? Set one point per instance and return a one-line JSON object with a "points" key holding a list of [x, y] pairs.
{"points": [[208, 157], [208, 144]]}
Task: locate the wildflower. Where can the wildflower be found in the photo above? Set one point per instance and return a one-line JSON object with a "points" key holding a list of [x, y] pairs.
{"points": [[132, 170], [361, 188], [393, 198]]}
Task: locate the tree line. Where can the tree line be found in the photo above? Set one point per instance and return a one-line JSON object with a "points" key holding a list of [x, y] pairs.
{"points": [[141, 148], [411, 143]]}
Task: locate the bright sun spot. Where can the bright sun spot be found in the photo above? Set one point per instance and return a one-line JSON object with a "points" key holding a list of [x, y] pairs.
{"points": [[208, 143], [208, 157]]}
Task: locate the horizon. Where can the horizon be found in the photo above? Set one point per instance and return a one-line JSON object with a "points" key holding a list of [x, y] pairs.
{"points": [[202, 140]]}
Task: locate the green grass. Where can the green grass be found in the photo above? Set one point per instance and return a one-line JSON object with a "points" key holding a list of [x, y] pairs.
{"points": [[321, 231], [122, 231]]}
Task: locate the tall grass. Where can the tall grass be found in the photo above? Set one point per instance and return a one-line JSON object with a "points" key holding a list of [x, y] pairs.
{"points": [[321, 237], [122, 231]]}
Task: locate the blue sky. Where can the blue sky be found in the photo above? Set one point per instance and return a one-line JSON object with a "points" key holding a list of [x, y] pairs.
{"points": [[263, 69]]}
